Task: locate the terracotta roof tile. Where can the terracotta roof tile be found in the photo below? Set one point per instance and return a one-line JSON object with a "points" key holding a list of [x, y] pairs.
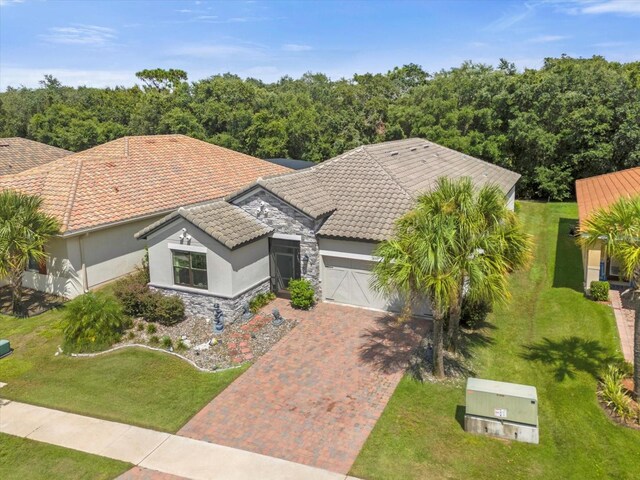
{"points": [[20, 154], [137, 176], [601, 191]]}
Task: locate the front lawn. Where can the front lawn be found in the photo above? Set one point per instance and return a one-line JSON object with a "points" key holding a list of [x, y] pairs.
{"points": [[21, 458], [549, 336], [134, 386]]}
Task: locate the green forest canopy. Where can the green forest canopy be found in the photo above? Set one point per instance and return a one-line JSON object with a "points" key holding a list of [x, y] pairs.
{"points": [[570, 119]]}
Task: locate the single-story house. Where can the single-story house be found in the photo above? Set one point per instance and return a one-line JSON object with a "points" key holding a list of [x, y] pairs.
{"points": [[19, 154], [102, 196], [592, 194], [321, 223]]}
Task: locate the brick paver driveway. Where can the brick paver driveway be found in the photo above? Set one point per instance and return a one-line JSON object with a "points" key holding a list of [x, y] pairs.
{"points": [[315, 397]]}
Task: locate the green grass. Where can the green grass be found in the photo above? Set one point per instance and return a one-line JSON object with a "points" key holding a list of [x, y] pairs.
{"points": [[135, 386], [21, 459], [549, 336]]}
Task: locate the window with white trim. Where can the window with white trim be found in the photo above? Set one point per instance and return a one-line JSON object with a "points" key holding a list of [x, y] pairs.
{"points": [[190, 269]]}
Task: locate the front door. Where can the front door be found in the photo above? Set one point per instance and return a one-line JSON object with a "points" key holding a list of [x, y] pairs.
{"points": [[285, 263], [285, 270]]}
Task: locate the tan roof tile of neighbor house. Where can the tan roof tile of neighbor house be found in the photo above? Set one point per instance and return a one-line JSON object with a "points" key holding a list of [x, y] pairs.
{"points": [[370, 187], [134, 177], [20, 154], [228, 224], [601, 191]]}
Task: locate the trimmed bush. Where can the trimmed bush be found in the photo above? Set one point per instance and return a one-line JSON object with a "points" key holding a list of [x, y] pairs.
{"points": [[474, 314], [131, 291], [166, 342], [600, 291], [151, 328], [166, 310], [93, 322], [138, 301], [302, 294], [260, 300]]}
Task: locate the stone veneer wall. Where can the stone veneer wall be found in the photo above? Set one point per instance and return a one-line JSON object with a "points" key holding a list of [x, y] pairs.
{"points": [[201, 305], [283, 218]]}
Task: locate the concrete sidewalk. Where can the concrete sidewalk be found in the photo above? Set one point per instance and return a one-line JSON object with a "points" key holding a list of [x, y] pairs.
{"points": [[151, 450]]}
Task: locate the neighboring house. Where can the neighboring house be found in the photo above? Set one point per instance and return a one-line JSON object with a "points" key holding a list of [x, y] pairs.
{"points": [[102, 196], [595, 193], [321, 224], [291, 163], [19, 154]]}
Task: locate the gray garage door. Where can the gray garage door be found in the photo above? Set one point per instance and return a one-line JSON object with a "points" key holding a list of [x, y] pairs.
{"points": [[346, 280]]}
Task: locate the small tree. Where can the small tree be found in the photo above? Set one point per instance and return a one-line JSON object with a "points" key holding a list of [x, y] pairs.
{"points": [[24, 231], [418, 263]]}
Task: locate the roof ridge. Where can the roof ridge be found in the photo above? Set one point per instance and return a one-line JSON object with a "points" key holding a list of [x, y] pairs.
{"points": [[393, 178], [72, 195]]}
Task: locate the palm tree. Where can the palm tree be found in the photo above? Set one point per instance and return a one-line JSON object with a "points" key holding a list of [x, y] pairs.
{"points": [[418, 263], [458, 242], [618, 227], [490, 242], [24, 231]]}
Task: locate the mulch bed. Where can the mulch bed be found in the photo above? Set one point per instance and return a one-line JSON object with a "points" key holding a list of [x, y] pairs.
{"points": [[33, 301], [240, 342]]}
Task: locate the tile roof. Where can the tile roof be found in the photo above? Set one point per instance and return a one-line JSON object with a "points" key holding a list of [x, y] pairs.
{"points": [[20, 154], [134, 177], [228, 224], [369, 187], [601, 191]]}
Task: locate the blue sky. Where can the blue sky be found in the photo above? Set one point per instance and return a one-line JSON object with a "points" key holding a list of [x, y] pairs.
{"points": [[100, 43]]}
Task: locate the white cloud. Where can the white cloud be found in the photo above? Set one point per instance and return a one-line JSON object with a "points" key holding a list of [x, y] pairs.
{"points": [[295, 47], [548, 38], [6, 3], [510, 19], [92, 35], [622, 7], [29, 77], [598, 7]]}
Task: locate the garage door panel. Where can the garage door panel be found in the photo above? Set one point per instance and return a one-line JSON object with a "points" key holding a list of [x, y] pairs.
{"points": [[348, 281]]}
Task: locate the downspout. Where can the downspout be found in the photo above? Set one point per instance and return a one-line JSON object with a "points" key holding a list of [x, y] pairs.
{"points": [[85, 278]]}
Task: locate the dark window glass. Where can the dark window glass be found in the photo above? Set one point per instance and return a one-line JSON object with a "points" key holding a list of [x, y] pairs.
{"points": [[190, 269]]}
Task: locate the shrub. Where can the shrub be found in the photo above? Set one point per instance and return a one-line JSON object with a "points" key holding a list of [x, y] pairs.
{"points": [[131, 292], [615, 395], [140, 327], [93, 322], [151, 328], [166, 310], [260, 300], [154, 340], [600, 291], [181, 346], [302, 294], [166, 342], [131, 335], [474, 314]]}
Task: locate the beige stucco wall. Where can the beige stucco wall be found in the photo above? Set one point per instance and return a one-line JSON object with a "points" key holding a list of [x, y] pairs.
{"points": [[108, 254], [591, 258], [229, 272]]}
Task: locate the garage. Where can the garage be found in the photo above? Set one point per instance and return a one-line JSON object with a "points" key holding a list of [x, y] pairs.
{"points": [[347, 280]]}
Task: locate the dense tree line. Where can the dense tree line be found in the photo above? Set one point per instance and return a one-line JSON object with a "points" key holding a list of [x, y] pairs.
{"points": [[570, 119]]}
